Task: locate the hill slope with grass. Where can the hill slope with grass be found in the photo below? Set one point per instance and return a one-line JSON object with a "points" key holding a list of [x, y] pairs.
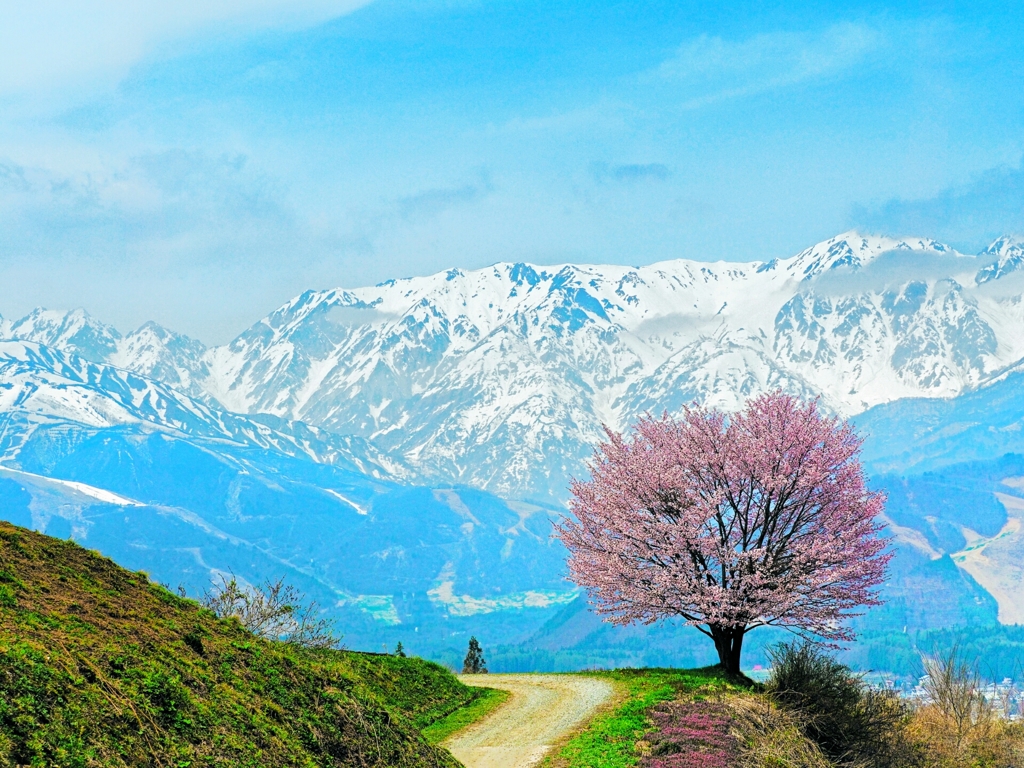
{"points": [[100, 666], [811, 712]]}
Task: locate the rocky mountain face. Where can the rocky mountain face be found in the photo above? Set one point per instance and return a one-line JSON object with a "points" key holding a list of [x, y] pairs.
{"points": [[41, 386], [502, 378]]}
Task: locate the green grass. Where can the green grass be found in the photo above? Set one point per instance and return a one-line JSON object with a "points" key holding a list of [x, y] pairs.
{"points": [[488, 700], [101, 667], [422, 691], [610, 738]]}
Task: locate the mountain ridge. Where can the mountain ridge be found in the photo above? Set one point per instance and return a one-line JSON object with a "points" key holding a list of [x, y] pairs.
{"points": [[502, 378], [40, 385]]}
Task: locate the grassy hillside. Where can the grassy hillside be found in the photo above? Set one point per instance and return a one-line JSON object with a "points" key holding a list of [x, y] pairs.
{"points": [[101, 667]]}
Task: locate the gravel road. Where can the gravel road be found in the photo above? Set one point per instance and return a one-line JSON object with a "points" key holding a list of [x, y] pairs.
{"points": [[542, 711]]}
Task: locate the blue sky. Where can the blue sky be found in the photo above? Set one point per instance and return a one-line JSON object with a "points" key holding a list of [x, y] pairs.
{"points": [[200, 163]]}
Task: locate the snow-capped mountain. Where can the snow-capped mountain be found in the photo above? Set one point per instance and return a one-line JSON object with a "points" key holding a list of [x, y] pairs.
{"points": [[277, 453], [1008, 254], [152, 350], [41, 386], [74, 332], [501, 378]]}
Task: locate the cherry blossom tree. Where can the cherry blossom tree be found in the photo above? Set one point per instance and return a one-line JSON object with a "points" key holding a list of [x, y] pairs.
{"points": [[731, 523]]}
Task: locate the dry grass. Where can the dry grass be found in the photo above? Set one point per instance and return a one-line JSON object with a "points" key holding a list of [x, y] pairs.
{"points": [[960, 727], [771, 737], [988, 743]]}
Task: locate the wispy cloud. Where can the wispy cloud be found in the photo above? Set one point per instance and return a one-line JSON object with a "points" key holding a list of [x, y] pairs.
{"points": [[629, 172], [712, 69], [128, 238], [53, 43], [969, 216], [150, 197], [431, 202], [895, 269], [362, 315]]}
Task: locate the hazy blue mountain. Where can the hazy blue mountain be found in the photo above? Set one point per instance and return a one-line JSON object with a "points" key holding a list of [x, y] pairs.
{"points": [[175, 487], [391, 562], [920, 434]]}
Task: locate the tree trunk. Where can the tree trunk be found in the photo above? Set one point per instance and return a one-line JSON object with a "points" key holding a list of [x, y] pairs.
{"points": [[729, 644]]}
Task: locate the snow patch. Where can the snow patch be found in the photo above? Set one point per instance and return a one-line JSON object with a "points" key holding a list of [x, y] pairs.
{"points": [[359, 510], [89, 491]]}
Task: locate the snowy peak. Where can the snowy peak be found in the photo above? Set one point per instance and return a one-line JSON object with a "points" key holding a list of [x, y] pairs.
{"points": [[1002, 246], [1007, 254], [151, 350], [501, 378], [75, 331], [169, 357], [482, 376], [853, 250]]}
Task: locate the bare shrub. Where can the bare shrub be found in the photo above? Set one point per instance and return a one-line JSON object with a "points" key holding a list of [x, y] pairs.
{"points": [[960, 726], [955, 688], [1009, 701], [273, 610], [852, 724]]}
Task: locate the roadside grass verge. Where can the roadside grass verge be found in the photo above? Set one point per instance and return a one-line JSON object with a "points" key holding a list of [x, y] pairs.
{"points": [[610, 740], [421, 691], [487, 700]]}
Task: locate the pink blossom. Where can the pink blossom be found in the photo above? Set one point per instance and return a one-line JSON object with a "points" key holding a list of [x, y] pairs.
{"points": [[691, 735], [761, 518]]}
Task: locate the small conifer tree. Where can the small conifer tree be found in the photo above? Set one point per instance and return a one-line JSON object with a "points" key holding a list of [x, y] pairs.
{"points": [[474, 663], [399, 650]]}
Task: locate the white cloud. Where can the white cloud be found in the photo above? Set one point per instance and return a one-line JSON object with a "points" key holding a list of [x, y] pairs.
{"points": [[710, 69], [59, 43], [361, 315], [969, 215], [894, 269]]}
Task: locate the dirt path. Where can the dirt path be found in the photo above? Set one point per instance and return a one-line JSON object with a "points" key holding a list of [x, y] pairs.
{"points": [[541, 712]]}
